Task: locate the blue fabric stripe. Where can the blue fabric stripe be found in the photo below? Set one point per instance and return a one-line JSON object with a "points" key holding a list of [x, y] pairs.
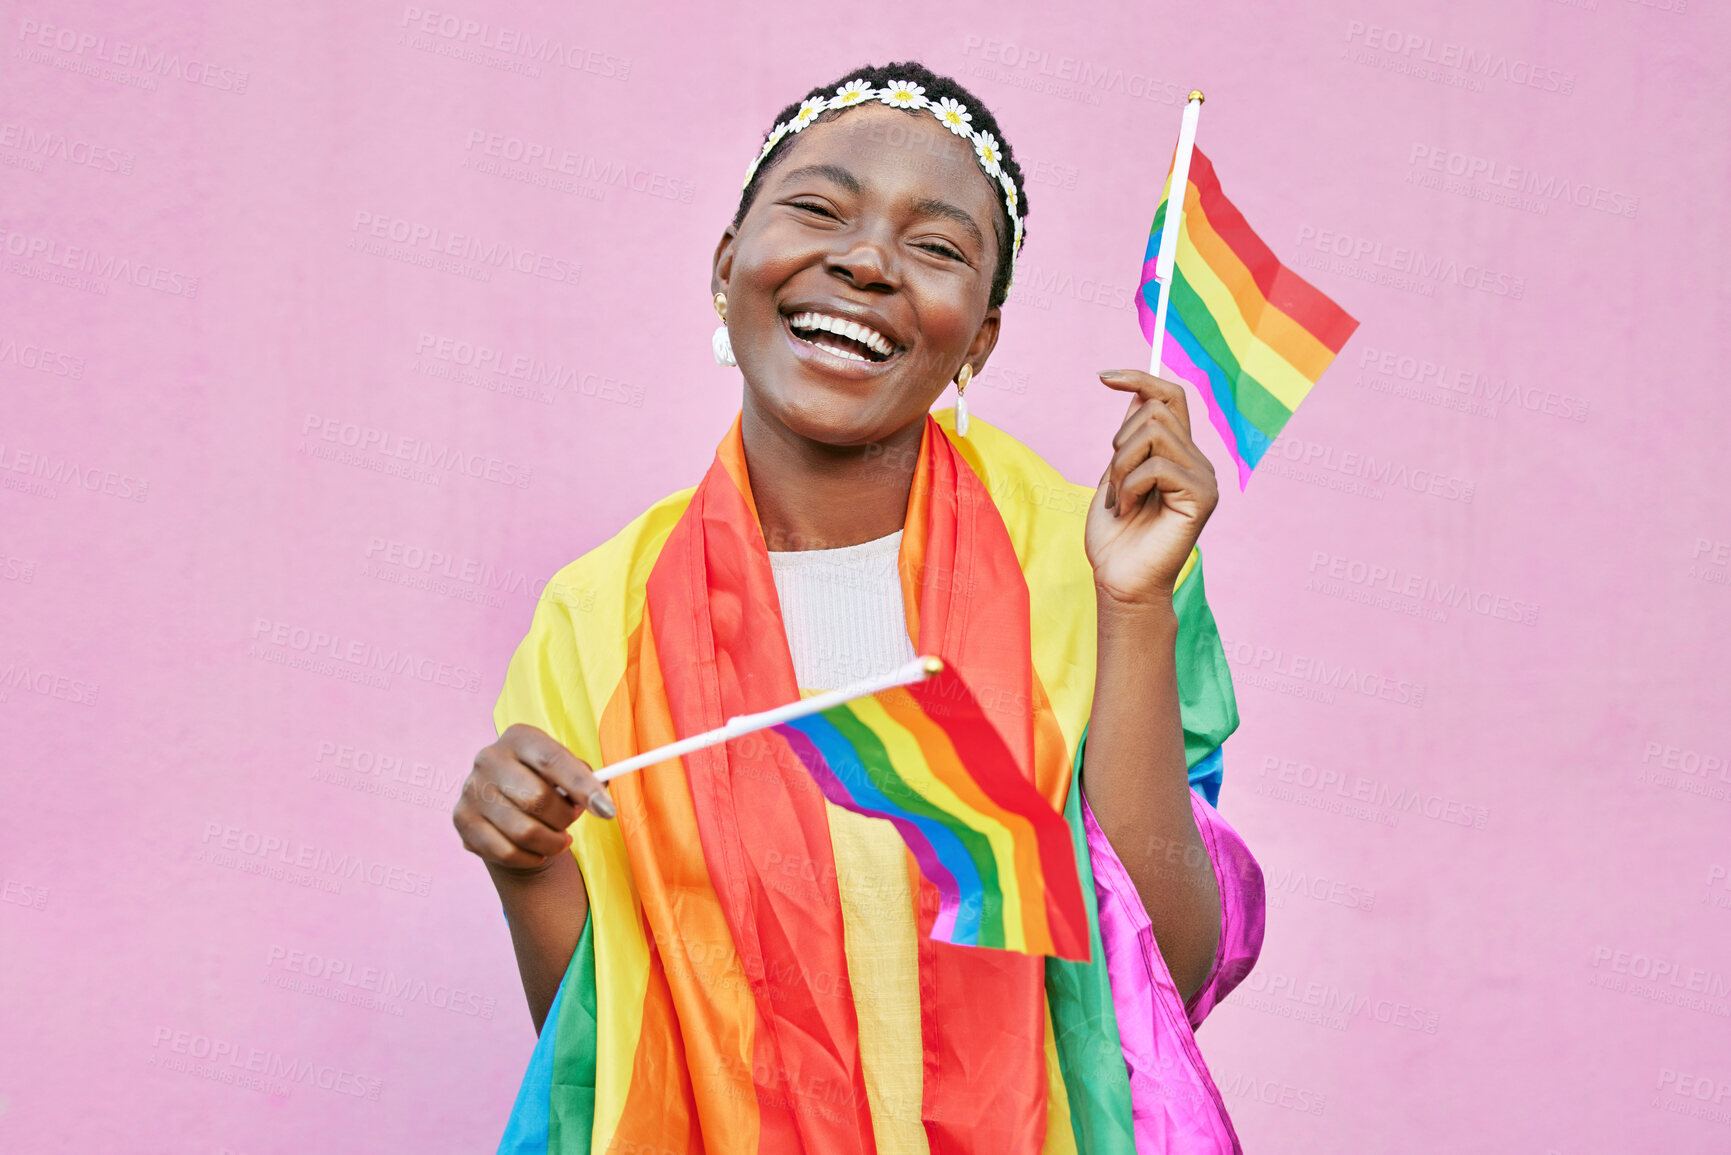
{"points": [[1252, 442], [527, 1131], [845, 764], [1207, 775]]}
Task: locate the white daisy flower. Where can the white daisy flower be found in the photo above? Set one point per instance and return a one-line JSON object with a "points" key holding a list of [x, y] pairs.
{"points": [[1009, 187], [903, 94], [954, 114], [851, 93], [986, 147], [808, 112]]}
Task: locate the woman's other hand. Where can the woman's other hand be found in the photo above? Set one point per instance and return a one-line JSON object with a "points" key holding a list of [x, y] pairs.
{"points": [[1155, 496]]}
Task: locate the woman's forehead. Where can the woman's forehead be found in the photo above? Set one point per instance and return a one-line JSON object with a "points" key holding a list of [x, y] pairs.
{"points": [[886, 146]]}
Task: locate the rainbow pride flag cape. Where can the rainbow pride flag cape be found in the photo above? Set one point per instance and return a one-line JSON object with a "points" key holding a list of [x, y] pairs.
{"points": [[1252, 335], [925, 757]]}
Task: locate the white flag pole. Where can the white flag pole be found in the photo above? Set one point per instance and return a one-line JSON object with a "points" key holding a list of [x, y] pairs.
{"points": [[906, 675], [1174, 222]]}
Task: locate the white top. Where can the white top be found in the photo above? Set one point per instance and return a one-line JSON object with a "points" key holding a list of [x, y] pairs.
{"points": [[843, 611]]}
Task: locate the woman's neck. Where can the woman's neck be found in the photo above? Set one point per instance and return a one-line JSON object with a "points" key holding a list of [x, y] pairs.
{"points": [[815, 496]]}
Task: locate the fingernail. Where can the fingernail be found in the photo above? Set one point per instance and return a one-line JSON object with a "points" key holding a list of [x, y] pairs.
{"points": [[1111, 372], [601, 806]]}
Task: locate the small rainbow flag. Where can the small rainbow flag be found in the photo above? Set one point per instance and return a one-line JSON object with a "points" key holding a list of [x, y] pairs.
{"points": [[1251, 335], [926, 757]]}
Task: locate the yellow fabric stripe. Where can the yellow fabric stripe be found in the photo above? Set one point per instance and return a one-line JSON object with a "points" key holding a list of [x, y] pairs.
{"points": [[587, 608], [883, 967], [908, 759], [1255, 356], [1060, 1132], [621, 967], [1028, 493]]}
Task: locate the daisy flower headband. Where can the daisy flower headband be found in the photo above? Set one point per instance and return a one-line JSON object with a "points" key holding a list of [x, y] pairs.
{"points": [[952, 114]]}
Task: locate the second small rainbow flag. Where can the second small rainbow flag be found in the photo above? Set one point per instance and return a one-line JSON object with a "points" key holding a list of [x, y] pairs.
{"points": [[925, 757], [1252, 335]]}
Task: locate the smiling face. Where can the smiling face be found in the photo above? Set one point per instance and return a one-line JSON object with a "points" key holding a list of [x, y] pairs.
{"points": [[859, 281]]}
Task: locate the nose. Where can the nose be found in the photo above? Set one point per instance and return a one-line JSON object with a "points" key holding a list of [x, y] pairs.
{"points": [[864, 262]]}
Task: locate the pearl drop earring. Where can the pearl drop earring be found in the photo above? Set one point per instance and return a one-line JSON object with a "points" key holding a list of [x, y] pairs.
{"points": [[962, 379], [721, 344]]}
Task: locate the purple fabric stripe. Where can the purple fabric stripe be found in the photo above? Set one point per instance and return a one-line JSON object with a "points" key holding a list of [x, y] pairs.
{"points": [[1173, 1100]]}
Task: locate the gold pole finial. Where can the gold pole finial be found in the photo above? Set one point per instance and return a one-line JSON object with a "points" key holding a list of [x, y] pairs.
{"points": [[1196, 95], [932, 665]]}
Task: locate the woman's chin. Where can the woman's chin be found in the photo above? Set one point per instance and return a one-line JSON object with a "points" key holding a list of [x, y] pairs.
{"points": [[832, 417]]}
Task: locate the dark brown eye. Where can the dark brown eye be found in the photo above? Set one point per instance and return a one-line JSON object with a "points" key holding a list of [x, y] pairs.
{"points": [[816, 208], [943, 250]]}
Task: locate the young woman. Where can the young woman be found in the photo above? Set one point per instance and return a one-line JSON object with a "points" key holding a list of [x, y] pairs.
{"points": [[715, 957]]}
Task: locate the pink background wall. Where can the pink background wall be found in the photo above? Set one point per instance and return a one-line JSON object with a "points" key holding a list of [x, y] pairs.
{"points": [[1495, 830]]}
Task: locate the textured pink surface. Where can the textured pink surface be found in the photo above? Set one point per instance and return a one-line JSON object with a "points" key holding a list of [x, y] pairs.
{"points": [[1476, 598]]}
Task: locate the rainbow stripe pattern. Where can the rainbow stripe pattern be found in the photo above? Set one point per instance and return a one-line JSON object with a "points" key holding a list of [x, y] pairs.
{"points": [[710, 1003], [925, 758], [1251, 335]]}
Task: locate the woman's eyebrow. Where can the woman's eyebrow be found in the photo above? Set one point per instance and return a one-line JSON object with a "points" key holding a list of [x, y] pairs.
{"points": [[834, 172], [933, 207]]}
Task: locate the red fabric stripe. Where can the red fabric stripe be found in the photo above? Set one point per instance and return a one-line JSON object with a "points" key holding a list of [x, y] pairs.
{"points": [[722, 650], [982, 1011], [1285, 289]]}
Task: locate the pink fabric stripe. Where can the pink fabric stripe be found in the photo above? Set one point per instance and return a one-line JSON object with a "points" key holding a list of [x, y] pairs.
{"points": [[1173, 1100], [1144, 311], [1179, 362]]}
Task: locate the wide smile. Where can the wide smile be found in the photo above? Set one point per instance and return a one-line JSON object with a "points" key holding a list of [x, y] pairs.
{"points": [[838, 345]]}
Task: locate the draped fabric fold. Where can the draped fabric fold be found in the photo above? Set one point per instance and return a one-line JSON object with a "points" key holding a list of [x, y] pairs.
{"points": [[708, 1006]]}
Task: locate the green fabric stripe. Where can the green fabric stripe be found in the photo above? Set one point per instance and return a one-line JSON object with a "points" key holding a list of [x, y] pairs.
{"points": [[1206, 703], [571, 1114], [1084, 1021], [871, 752], [1262, 408]]}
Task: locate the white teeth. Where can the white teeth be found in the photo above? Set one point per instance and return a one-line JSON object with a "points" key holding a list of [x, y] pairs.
{"points": [[840, 326]]}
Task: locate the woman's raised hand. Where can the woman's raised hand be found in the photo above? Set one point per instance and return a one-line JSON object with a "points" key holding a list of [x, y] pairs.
{"points": [[520, 798], [1154, 497]]}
